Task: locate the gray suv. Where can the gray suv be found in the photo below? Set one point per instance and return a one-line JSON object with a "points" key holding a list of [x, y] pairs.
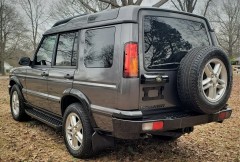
{"points": [[123, 73]]}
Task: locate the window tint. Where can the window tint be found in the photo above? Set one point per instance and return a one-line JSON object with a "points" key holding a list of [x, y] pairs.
{"points": [[75, 49], [45, 52], [66, 50], [167, 40], [99, 47]]}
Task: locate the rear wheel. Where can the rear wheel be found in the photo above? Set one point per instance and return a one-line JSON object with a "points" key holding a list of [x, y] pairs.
{"points": [[77, 131]]}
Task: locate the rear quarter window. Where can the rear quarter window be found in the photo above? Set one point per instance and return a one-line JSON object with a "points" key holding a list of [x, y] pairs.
{"points": [[99, 47], [167, 40]]}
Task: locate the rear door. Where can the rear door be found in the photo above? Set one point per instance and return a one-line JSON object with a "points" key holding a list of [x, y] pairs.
{"points": [[97, 74], [61, 74], [165, 39]]}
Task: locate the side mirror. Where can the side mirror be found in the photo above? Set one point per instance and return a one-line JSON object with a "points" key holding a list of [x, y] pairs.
{"points": [[25, 61]]}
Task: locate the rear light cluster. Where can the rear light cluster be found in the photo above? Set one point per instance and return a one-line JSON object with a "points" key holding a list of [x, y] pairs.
{"points": [[130, 69], [152, 126], [224, 115]]}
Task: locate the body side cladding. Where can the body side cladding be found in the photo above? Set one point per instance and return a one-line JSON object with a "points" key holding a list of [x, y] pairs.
{"points": [[83, 100]]}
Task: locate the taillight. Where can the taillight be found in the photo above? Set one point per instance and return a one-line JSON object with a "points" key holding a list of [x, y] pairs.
{"points": [[224, 115], [158, 125], [130, 69]]}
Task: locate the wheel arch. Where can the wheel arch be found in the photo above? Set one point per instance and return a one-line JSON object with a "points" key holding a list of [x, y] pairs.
{"points": [[73, 95], [12, 81]]}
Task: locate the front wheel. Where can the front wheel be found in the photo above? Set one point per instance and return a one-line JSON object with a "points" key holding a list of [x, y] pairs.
{"points": [[77, 131], [17, 105]]}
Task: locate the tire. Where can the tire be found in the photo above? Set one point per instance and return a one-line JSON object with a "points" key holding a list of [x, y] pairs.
{"points": [[82, 126], [204, 80], [17, 104]]}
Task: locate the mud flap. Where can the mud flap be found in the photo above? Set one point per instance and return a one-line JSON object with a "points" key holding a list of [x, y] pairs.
{"points": [[101, 141]]}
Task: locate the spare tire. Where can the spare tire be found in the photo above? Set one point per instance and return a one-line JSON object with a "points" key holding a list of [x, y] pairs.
{"points": [[204, 79]]}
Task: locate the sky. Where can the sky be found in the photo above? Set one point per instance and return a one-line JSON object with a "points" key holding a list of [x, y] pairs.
{"points": [[49, 4]]}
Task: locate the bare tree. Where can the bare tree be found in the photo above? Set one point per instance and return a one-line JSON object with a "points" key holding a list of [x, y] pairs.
{"points": [[185, 5], [67, 8], [34, 10], [226, 20], [11, 32], [207, 4], [190, 5]]}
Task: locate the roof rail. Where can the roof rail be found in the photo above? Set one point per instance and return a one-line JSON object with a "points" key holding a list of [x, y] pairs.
{"points": [[66, 20]]}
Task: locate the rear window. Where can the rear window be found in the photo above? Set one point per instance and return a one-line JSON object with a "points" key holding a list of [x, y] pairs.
{"points": [[167, 40]]}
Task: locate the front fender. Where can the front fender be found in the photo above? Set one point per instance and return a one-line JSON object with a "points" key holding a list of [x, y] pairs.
{"points": [[14, 79]]}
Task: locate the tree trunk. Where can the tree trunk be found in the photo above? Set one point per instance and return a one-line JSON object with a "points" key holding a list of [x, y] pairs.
{"points": [[2, 71], [230, 51]]}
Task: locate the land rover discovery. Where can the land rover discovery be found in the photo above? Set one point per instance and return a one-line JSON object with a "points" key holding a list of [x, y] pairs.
{"points": [[123, 73]]}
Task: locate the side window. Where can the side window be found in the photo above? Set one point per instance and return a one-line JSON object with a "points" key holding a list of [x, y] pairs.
{"points": [[99, 47], [167, 40], [66, 50], [45, 52]]}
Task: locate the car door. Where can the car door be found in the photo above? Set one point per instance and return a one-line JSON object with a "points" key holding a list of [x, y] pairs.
{"points": [[62, 72], [98, 72], [37, 75]]}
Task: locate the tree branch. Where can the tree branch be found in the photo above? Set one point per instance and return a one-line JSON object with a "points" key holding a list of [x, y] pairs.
{"points": [[175, 5], [124, 2], [181, 5], [110, 2], [206, 7], [138, 2], [86, 5], [130, 2], [160, 3], [195, 4]]}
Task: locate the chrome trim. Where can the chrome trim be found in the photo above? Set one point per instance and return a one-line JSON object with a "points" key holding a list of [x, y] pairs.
{"points": [[42, 95], [95, 84], [150, 76], [54, 98], [35, 93], [111, 111]]}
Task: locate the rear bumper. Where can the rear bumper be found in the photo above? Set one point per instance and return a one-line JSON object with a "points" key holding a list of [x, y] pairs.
{"points": [[130, 126]]}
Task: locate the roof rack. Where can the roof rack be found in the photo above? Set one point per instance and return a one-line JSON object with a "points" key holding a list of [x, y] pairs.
{"points": [[66, 20]]}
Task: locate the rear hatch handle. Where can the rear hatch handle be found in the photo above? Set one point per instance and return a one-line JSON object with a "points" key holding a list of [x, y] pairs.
{"points": [[147, 78]]}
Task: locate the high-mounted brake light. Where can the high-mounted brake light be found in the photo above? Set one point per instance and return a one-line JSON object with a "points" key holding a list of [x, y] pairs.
{"points": [[130, 69]]}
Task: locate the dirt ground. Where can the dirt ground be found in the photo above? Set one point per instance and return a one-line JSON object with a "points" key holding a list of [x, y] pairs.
{"points": [[34, 141]]}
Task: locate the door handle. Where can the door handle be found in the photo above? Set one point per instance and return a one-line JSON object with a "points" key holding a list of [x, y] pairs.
{"points": [[68, 76], [44, 74]]}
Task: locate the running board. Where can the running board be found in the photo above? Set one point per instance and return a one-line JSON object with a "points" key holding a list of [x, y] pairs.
{"points": [[45, 117]]}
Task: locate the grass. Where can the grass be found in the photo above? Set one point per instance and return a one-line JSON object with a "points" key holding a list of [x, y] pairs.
{"points": [[34, 141]]}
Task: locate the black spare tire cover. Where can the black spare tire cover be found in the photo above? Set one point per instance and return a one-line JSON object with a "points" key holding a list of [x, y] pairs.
{"points": [[204, 79]]}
